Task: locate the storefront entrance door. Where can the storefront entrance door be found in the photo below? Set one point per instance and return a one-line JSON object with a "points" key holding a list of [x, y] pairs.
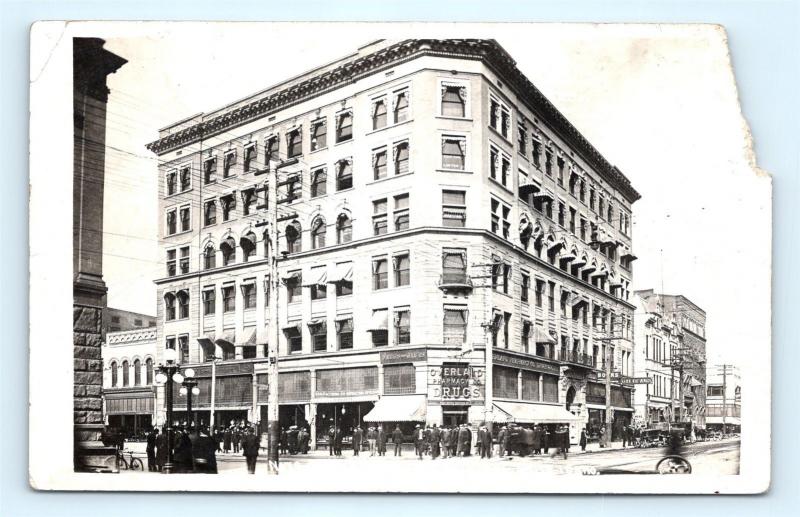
{"points": [[454, 415]]}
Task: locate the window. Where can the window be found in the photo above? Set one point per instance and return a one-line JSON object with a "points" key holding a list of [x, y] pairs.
{"points": [[137, 372], [294, 287], [249, 295], [399, 379], [379, 217], [228, 250], [564, 301], [401, 212], [186, 224], [572, 216], [249, 157], [294, 188], [209, 257], [380, 336], [344, 175], [522, 139], [536, 146], [171, 183], [380, 274], [272, 149], [248, 201], [379, 163], [454, 266], [294, 338], [148, 370], [209, 302], [539, 292], [561, 213], [505, 170], [169, 306], [186, 178], [319, 134], [525, 337], [228, 163], [210, 171], [319, 289], [344, 333], [319, 335], [454, 100], [125, 373], [294, 243], [548, 162], [454, 153], [344, 288], [294, 143], [560, 164], [454, 208], [402, 270], [344, 229], [228, 298], [400, 154], [551, 295], [526, 282], [210, 213], [455, 324], [183, 304], [318, 230], [400, 106], [319, 182], [113, 374], [499, 117], [344, 126], [184, 264], [228, 206], [171, 263], [601, 207], [500, 218], [402, 327], [379, 113]]}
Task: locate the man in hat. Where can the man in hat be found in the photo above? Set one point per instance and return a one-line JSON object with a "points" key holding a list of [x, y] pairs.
{"points": [[502, 441], [435, 441], [227, 437], [419, 440], [337, 442], [380, 437], [445, 439], [372, 436], [152, 436], [454, 441], [250, 448], [357, 439], [397, 439]]}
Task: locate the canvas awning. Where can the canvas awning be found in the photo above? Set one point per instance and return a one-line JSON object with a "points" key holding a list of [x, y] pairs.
{"points": [[294, 276], [398, 408], [579, 261], [543, 337], [318, 277], [343, 273], [292, 325], [530, 413], [206, 342], [226, 340], [379, 321], [249, 336], [546, 195]]}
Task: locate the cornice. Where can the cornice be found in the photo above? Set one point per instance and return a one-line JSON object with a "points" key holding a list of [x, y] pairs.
{"points": [[487, 51]]}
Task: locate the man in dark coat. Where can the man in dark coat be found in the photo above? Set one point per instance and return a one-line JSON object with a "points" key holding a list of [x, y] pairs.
{"points": [[526, 441], [152, 436], [464, 440], [546, 435], [427, 439], [358, 437], [226, 440], [434, 441], [583, 440], [218, 438], [454, 441], [397, 439], [182, 457], [237, 439], [282, 441], [203, 453], [502, 440], [381, 441], [331, 435], [445, 440], [250, 448], [337, 442], [302, 441], [419, 441], [161, 450], [561, 438], [537, 440], [485, 441]]}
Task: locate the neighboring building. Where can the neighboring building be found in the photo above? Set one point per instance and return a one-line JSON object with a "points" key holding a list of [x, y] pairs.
{"points": [[91, 65], [128, 375], [432, 203], [728, 386], [117, 320]]}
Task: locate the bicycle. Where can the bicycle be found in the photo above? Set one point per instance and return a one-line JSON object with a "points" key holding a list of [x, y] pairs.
{"points": [[673, 464], [132, 463]]}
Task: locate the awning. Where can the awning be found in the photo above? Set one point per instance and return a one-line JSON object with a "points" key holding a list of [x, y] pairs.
{"points": [[379, 321], [547, 195], [398, 408], [292, 325], [317, 323], [248, 240], [543, 337], [206, 342], [530, 413], [343, 317], [249, 336], [579, 300], [318, 277], [579, 261], [569, 257], [294, 276], [343, 273], [226, 340], [589, 268], [600, 274]]}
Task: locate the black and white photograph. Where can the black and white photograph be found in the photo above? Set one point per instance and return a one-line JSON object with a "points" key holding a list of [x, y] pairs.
{"points": [[384, 257]]}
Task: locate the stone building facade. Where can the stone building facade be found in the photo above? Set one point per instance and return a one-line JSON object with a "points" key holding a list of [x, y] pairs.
{"points": [[450, 247]]}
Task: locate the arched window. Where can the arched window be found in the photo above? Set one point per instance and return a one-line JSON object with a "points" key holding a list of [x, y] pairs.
{"points": [[318, 233], [293, 238], [248, 244], [344, 229], [183, 304], [209, 257], [113, 374], [228, 249], [169, 306], [125, 373], [137, 373], [148, 370]]}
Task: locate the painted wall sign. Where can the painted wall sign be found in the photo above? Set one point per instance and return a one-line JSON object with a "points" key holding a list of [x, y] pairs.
{"points": [[404, 356], [457, 382], [526, 363]]}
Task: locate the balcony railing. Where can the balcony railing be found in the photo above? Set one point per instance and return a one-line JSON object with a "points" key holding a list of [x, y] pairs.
{"points": [[578, 358], [455, 280]]}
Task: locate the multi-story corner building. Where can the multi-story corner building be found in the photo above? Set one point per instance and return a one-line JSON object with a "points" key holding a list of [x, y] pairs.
{"points": [[117, 320], [128, 374], [450, 248], [724, 397]]}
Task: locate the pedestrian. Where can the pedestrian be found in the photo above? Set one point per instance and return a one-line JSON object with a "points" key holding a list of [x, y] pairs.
{"points": [[427, 440], [161, 450], [526, 441], [583, 440], [546, 437], [217, 439], [397, 439], [453, 441], [152, 436], [419, 441], [380, 437], [537, 440], [357, 439], [624, 436], [331, 437], [250, 448], [603, 440], [203, 452], [302, 441], [434, 441], [485, 441], [465, 440], [236, 438], [337, 442], [182, 457], [445, 441], [502, 441], [371, 438], [227, 436]]}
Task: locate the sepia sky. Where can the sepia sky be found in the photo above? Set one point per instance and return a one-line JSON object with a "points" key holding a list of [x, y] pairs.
{"points": [[658, 101]]}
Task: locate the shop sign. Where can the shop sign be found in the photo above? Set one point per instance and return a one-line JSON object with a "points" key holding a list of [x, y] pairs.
{"points": [[404, 356], [526, 363], [457, 382]]}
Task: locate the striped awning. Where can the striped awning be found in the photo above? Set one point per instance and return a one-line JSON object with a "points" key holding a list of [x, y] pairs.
{"points": [[543, 337], [379, 321], [249, 336], [318, 277], [343, 273]]}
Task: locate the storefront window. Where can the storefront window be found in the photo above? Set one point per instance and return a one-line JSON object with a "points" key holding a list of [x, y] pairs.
{"points": [[504, 381], [530, 385], [347, 381], [399, 379], [549, 388]]}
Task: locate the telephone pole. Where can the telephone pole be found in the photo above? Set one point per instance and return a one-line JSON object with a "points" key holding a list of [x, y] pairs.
{"points": [[725, 398]]}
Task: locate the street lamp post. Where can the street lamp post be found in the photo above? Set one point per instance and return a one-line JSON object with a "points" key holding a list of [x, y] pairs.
{"points": [[189, 388], [168, 374]]}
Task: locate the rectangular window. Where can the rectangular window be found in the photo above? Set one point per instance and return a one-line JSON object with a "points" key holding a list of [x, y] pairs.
{"points": [[210, 213], [530, 385], [228, 298], [379, 163], [171, 183], [454, 153], [294, 143], [273, 149], [319, 336], [249, 295], [564, 300], [454, 267], [501, 214], [548, 162], [453, 102], [344, 126], [172, 268], [399, 379], [380, 274], [561, 213], [402, 327], [380, 336], [454, 208], [186, 223], [183, 305], [249, 157], [504, 382], [401, 212], [379, 113], [169, 307], [319, 134], [319, 290], [228, 206], [210, 171], [184, 264], [550, 388], [379, 217], [344, 175], [294, 339], [183, 349], [294, 287], [400, 106], [525, 337], [209, 302], [344, 333], [551, 296], [248, 201], [539, 292], [505, 170], [228, 162], [455, 324], [505, 122], [560, 164], [536, 146], [319, 182], [401, 155], [522, 139], [402, 270], [526, 281]]}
